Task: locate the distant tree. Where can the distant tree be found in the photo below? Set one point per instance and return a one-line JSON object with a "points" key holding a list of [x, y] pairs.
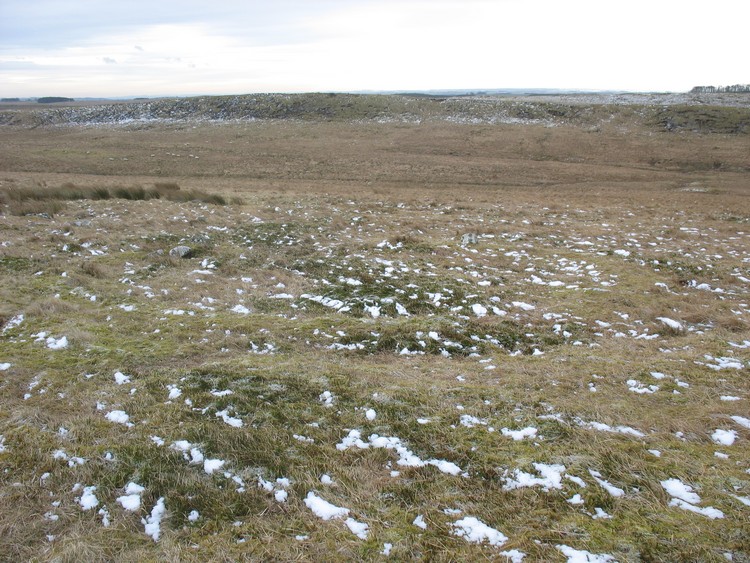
{"points": [[10, 100]]}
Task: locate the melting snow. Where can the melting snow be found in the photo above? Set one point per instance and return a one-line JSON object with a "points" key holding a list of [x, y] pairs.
{"points": [[551, 478], [581, 556], [132, 498], [324, 509], [684, 497], [518, 435], [724, 437], [88, 499], [475, 531], [152, 524]]}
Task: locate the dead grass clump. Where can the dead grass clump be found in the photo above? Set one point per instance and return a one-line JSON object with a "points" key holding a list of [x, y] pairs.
{"points": [[196, 195], [94, 269], [166, 187], [51, 307], [46, 209], [732, 323], [41, 200]]}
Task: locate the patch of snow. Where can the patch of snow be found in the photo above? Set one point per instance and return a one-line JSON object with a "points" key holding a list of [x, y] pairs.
{"points": [[479, 310], [671, 323], [121, 378], [211, 465], [88, 499], [324, 509], [230, 420], [359, 529], [118, 417], [724, 437], [551, 478], [518, 435], [606, 485], [474, 530], [152, 524], [582, 556]]}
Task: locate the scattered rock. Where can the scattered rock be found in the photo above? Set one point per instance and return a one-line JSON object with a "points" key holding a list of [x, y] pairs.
{"points": [[180, 251], [468, 238]]}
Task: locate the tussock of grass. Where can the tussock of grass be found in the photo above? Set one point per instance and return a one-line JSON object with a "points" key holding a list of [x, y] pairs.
{"points": [[49, 201]]}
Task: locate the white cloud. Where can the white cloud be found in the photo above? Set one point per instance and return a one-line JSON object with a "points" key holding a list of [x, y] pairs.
{"points": [[290, 45]]}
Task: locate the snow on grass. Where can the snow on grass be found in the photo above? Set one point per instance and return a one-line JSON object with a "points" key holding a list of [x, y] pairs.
{"points": [[327, 398], [88, 499], [551, 477], [359, 529], [152, 524], [324, 509], [600, 426], [211, 465], [131, 500], [671, 323], [121, 378], [57, 343], [230, 420], [419, 522], [407, 458], [13, 323], [479, 310], [513, 555], [636, 386], [470, 421], [709, 511], [174, 392], [683, 496], [723, 363], [370, 414], [240, 309], [474, 530], [518, 435], [742, 421], [606, 485], [5, 366], [119, 417], [724, 437], [743, 500], [582, 556]]}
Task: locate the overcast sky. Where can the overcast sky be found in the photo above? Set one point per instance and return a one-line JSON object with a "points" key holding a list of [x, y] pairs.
{"points": [[104, 48]]}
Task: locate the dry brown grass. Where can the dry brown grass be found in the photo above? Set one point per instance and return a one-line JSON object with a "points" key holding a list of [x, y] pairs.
{"points": [[325, 195]]}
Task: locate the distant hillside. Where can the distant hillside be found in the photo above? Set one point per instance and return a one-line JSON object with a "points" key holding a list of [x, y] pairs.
{"points": [[671, 112]]}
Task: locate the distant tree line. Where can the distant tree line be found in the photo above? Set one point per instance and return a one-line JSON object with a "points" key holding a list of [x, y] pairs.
{"points": [[735, 89], [54, 99], [10, 100]]}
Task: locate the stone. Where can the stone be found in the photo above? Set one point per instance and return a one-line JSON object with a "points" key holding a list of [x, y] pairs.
{"points": [[180, 251], [468, 238]]}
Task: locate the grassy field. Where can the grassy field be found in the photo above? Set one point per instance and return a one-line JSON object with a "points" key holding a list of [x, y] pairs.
{"points": [[333, 371]]}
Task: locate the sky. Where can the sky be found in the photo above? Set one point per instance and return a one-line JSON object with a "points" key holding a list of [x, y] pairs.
{"points": [[102, 48]]}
